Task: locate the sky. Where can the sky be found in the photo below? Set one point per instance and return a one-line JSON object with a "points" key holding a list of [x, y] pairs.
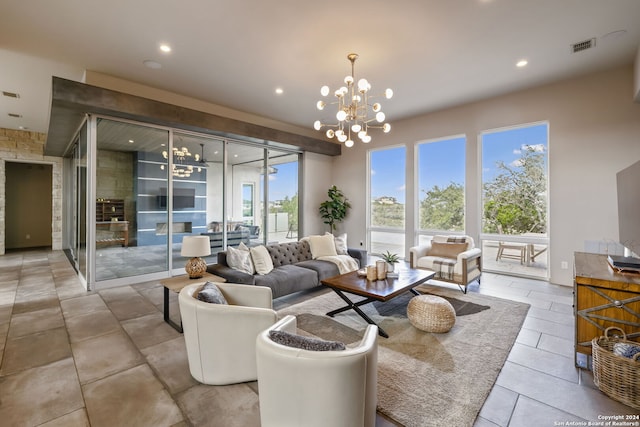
{"points": [[444, 160], [285, 182]]}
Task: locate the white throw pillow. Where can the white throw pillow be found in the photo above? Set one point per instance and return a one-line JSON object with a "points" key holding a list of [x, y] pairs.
{"points": [[322, 246], [341, 244], [240, 259], [261, 260]]}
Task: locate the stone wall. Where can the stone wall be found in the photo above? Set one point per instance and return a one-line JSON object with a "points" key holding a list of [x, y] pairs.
{"points": [[28, 147]]}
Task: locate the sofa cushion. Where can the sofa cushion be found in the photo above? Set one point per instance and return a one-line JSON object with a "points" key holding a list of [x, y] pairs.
{"points": [[322, 246], [323, 269], [304, 343], [447, 250], [261, 260], [287, 279], [341, 244], [289, 252], [240, 259]]}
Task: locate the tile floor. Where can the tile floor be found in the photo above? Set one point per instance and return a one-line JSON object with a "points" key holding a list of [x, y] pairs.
{"points": [[107, 358]]}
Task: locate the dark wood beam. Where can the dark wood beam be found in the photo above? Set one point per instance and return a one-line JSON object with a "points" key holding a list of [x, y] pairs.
{"points": [[71, 100]]}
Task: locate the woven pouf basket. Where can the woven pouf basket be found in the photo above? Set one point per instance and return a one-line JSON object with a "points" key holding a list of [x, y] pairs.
{"points": [[430, 313]]}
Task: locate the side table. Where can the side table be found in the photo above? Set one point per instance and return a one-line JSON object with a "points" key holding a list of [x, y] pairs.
{"points": [[176, 284]]}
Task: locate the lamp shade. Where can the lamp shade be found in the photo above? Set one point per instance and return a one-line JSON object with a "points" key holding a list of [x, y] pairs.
{"points": [[195, 246]]}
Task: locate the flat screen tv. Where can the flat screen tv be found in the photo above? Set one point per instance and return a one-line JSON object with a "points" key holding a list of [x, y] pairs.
{"points": [[183, 198], [628, 186]]}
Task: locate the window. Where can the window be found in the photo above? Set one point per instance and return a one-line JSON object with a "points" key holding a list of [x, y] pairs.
{"points": [[387, 200], [440, 173], [247, 203], [515, 200]]}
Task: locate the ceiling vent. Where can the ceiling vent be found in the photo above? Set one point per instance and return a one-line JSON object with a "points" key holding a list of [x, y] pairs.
{"points": [[10, 94], [17, 116], [583, 45]]}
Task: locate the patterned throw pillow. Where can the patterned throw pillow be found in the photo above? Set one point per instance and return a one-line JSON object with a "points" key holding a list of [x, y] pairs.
{"points": [[341, 244], [626, 349], [240, 259], [304, 343], [211, 293]]}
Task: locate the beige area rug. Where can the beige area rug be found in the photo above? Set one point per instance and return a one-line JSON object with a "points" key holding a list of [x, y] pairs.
{"points": [[426, 379]]}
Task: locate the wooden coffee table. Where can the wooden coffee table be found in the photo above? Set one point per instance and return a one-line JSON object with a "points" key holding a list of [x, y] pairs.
{"points": [[379, 290]]}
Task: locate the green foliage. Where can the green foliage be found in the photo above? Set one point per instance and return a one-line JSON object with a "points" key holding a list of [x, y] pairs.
{"points": [[335, 209], [515, 202], [387, 215], [390, 258], [443, 208], [290, 206]]}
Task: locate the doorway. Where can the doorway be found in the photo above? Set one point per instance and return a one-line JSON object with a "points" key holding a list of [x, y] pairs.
{"points": [[28, 205]]}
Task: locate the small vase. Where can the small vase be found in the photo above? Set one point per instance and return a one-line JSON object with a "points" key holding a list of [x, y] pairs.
{"points": [[381, 268], [390, 268]]}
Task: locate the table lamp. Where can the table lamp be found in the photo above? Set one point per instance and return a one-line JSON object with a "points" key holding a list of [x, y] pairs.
{"points": [[195, 247]]}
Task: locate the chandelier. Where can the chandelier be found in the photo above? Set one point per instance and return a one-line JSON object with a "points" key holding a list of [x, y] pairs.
{"points": [[353, 113], [181, 157]]}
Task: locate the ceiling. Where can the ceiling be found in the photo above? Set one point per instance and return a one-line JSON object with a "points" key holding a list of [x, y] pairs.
{"points": [[434, 54]]}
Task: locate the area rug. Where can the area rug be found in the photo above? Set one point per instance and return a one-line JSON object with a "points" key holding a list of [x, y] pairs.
{"points": [[426, 379]]}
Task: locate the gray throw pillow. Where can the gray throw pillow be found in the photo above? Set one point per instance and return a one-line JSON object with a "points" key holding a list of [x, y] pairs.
{"points": [[211, 293], [304, 343]]}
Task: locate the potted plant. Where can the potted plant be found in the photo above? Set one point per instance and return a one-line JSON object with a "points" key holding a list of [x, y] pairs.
{"points": [[334, 210], [391, 260]]}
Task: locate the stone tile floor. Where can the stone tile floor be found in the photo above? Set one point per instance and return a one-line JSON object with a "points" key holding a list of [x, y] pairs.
{"points": [[107, 358]]}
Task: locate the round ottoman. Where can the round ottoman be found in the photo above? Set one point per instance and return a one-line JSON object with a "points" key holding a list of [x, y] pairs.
{"points": [[431, 313]]}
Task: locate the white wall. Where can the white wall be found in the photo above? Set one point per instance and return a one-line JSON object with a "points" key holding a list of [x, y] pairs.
{"points": [[594, 131], [316, 180]]}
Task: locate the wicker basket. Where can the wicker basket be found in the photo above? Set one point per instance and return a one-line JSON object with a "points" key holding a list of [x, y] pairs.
{"points": [[616, 376]]}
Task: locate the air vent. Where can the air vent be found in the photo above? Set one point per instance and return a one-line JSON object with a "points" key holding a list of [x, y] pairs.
{"points": [[10, 94], [15, 115], [583, 45]]}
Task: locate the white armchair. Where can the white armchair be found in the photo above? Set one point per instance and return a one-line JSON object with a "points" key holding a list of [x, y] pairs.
{"points": [[455, 259], [221, 339], [317, 388]]}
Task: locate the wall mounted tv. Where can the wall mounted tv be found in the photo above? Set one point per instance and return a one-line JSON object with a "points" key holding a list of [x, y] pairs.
{"points": [[183, 198], [629, 213]]}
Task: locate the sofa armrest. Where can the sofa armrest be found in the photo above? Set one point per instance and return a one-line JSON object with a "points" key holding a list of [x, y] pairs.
{"points": [[469, 254], [231, 275], [359, 254]]}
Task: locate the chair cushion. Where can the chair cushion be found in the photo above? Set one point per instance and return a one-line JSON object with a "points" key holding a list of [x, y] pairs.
{"points": [[211, 293], [304, 343], [447, 250]]}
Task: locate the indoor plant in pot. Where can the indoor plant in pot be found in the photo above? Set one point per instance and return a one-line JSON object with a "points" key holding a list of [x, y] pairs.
{"points": [[335, 209], [391, 260]]}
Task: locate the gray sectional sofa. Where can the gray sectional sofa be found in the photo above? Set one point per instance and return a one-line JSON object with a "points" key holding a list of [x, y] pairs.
{"points": [[294, 268]]}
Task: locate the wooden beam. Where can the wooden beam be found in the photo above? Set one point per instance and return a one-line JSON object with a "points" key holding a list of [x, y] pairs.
{"points": [[71, 100]]}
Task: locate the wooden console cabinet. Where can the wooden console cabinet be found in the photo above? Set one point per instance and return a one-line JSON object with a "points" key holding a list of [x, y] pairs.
{"points": [[603, 298]]}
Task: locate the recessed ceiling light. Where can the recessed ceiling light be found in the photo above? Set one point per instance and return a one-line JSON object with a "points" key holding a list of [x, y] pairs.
{"points": [[279, 91], [131, 141], [23, 127], [165, 48], [152, 64], [522, 63]]}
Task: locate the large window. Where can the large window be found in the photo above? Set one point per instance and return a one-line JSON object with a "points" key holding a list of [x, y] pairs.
{"points": [[387, 169], [440, 172], [515, 200]]}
